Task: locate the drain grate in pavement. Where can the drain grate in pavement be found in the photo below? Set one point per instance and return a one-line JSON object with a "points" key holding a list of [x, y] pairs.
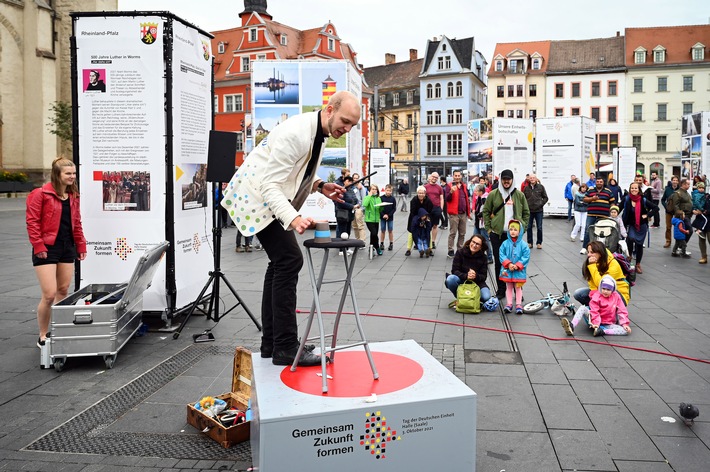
{"points": [[474, 356], [86, 433]]}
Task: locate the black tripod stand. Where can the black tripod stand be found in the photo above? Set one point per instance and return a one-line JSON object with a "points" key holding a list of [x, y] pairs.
{"points": [[215, 276]]}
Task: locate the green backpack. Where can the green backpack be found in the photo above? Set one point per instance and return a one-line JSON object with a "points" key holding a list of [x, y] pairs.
{"points": [[468, 297]]}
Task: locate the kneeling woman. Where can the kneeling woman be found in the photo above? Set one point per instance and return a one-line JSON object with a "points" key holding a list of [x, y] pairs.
{"points": [[470, 263], [600, 262]]}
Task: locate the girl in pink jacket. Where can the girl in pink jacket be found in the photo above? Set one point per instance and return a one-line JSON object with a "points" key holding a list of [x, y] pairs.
{"points": [[607, 313]]}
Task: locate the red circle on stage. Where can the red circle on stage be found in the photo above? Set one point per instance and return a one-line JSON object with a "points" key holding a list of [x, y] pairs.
{"points": [[352, 376]]}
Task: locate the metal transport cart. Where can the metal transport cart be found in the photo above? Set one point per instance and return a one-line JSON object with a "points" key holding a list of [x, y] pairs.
{"points": [[99, 319]]}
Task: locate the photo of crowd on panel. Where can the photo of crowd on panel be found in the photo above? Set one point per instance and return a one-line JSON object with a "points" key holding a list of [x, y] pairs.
{"points": [[125, 190]]}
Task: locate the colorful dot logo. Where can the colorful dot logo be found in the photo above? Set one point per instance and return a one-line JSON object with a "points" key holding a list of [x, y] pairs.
{"points": [[196, 243], [377, 435], [122, 248]]}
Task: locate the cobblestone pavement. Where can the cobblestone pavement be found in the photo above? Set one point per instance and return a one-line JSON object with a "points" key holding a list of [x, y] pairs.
{"points": [[546, 402]]}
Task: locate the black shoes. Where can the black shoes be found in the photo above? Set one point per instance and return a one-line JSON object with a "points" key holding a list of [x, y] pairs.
{"points": [[266, 352], [41, 343], [287, 357]]}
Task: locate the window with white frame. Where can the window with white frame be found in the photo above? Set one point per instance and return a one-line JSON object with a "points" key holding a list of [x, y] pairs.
{"points": [[245, 64], [450, 89], [458, 116], [511, 113], [687, 83], [253, 35], [331, 44], [662, 84], [640, 56], [233, 103], [659, 55], [395, 99], [636, 142], [437, 91], [240, 142], [410, 120], [536, 64], [687, 108], [499, 66], [383, 100], [216, 104], [698, 52], [459, 89], [433, 144], [662, 112], [437, 117], [661, 143], [410, 97], [638, 85], [449, 117], [638, 113], [220, 48], [283, 39], [430, 117], [429, 91], [518, 113], [454, 145]]}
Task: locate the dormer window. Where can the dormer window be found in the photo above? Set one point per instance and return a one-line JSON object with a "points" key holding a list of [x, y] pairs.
{"points": [[220, 48], [283, 39], [698, 52], [536, 64], [331, 44], [659, 54], [640, 56], [499, 66], [253, 35]]}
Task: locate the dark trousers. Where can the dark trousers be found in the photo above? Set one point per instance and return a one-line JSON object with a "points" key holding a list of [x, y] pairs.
{"points": [[444, 218], [535, 216], [590, 221], [278, 301], [656, 214], [374, 238], [569, 209], [496, 241]]}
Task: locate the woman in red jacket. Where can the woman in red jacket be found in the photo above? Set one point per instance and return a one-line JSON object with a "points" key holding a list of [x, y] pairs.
{"points": [[54, 228]]}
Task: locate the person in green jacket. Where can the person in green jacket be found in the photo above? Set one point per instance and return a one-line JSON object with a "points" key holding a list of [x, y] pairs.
{"points": [[502, 205], [372, 204]]}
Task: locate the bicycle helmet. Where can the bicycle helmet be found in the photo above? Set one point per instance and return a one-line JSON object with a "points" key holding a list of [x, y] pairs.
{"points": [[491, 304]]}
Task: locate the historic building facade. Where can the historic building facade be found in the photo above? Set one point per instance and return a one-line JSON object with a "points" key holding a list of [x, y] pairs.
{"points": [[260, 38], [35, 72]]}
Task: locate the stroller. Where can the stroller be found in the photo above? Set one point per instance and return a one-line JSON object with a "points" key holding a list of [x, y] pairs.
{"points": [[606, 231]]}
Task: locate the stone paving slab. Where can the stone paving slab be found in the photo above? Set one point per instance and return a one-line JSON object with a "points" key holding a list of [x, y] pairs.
{"points": [[615, 395]]}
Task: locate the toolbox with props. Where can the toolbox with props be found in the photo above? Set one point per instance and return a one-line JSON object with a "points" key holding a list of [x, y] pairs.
{"points": [[238, 398], [99, 319]]}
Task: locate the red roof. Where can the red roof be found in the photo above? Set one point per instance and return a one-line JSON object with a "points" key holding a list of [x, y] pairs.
{"points": [[677, 40], [529, 47]]}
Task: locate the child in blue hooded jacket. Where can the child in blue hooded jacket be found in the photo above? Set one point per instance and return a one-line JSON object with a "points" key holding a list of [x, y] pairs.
{"points": [[514, 256]]}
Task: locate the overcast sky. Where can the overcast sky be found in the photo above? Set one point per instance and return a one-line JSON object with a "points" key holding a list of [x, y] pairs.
{"points": [[376, 27]]}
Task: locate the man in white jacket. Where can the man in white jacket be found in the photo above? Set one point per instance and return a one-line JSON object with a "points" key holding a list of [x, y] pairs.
{"points": [[264, 197]]}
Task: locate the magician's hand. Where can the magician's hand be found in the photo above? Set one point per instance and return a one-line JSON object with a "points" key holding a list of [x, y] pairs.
{"points": [[300, 224], [334, 191]]}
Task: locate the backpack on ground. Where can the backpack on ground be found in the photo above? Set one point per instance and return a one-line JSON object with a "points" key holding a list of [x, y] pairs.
{"points": [[468, 297], [626, 267]]}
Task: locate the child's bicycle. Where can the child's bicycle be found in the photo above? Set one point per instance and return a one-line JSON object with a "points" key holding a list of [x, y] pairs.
{"points": [[559, 304]]}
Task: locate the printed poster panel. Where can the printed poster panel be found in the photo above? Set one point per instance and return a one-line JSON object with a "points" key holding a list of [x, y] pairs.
{"points": [[695, 144], [624, 166], [121, 128], [380, 160], [513, 148], [479, 140], [563, 146], [283, 89], [192, 121]]}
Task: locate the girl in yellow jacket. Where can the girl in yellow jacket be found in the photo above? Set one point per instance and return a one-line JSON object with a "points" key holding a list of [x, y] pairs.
{"points": [[600, 261]]}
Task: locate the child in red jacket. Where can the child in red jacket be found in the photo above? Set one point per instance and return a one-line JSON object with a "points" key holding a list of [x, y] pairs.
{"points": [[607, 313]]}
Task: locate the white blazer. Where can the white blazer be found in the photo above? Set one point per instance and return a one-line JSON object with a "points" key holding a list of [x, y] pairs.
{"points": [[263, 187]]}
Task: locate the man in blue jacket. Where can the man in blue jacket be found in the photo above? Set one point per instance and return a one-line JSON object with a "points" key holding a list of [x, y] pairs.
{"points": [[569, 197]]}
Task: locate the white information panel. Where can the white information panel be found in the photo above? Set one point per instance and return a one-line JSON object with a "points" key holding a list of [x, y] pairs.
{"points": [[624, 166], [380, 160], [564, 147], [513, 147], [121, 87]]}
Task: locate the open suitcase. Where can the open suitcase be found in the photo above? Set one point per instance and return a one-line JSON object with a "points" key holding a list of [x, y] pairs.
{"points": [[99, 319]]}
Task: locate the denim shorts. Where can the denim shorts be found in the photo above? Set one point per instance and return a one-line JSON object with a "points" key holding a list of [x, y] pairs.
{"points": [[64, 252], [387, 225]]}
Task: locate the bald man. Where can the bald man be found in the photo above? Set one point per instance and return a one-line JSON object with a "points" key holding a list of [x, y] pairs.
{"points": [[265, 197]]}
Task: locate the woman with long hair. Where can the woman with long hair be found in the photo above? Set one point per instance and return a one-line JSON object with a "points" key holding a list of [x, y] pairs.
{"points": [[57, 238], [599, 262], [636, 211], [470, 263]]}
